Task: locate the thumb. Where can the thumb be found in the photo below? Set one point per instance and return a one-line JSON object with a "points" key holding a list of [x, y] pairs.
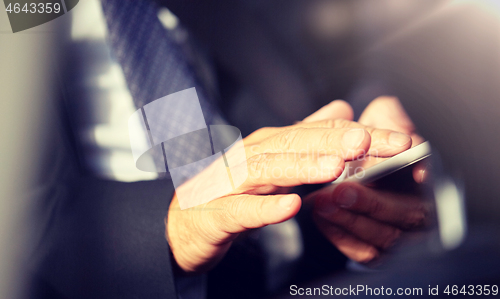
{"points": [[243, 212]]}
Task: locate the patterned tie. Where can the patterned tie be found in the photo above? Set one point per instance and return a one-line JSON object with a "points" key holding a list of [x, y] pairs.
{"points": [[155, 65]]}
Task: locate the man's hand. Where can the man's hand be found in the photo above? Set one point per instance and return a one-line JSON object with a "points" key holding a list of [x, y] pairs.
{"points": [[278, 159], [363, 222]]}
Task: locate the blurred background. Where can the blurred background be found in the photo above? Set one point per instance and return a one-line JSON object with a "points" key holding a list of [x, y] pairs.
{"points": [[261, 63]]}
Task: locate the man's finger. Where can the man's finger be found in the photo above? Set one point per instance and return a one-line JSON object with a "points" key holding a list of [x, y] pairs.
{"points": [[371, 231], [266, 132], [319, 136], [333, 110], [269, 171], [404, 211], [348, 142], [349, 245], [384, 143], [421, 172], [238, 213]]}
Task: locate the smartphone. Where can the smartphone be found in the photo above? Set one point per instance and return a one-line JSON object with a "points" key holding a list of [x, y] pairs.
{"points": [[389, 166]]}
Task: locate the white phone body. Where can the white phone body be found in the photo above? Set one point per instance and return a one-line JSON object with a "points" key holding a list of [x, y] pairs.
{"points": [[391, 165]]}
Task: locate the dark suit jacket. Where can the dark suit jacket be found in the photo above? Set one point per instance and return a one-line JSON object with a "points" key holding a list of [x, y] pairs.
{"points": [[96, 238]]}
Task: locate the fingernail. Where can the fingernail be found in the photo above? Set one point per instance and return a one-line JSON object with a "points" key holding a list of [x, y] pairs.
{"points": [[352, 139], [347, 197], [398, 139], [287, 201], [329, 164]]}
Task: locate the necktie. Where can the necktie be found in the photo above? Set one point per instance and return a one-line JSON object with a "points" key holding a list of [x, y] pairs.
{"points": [[155, 66]]}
